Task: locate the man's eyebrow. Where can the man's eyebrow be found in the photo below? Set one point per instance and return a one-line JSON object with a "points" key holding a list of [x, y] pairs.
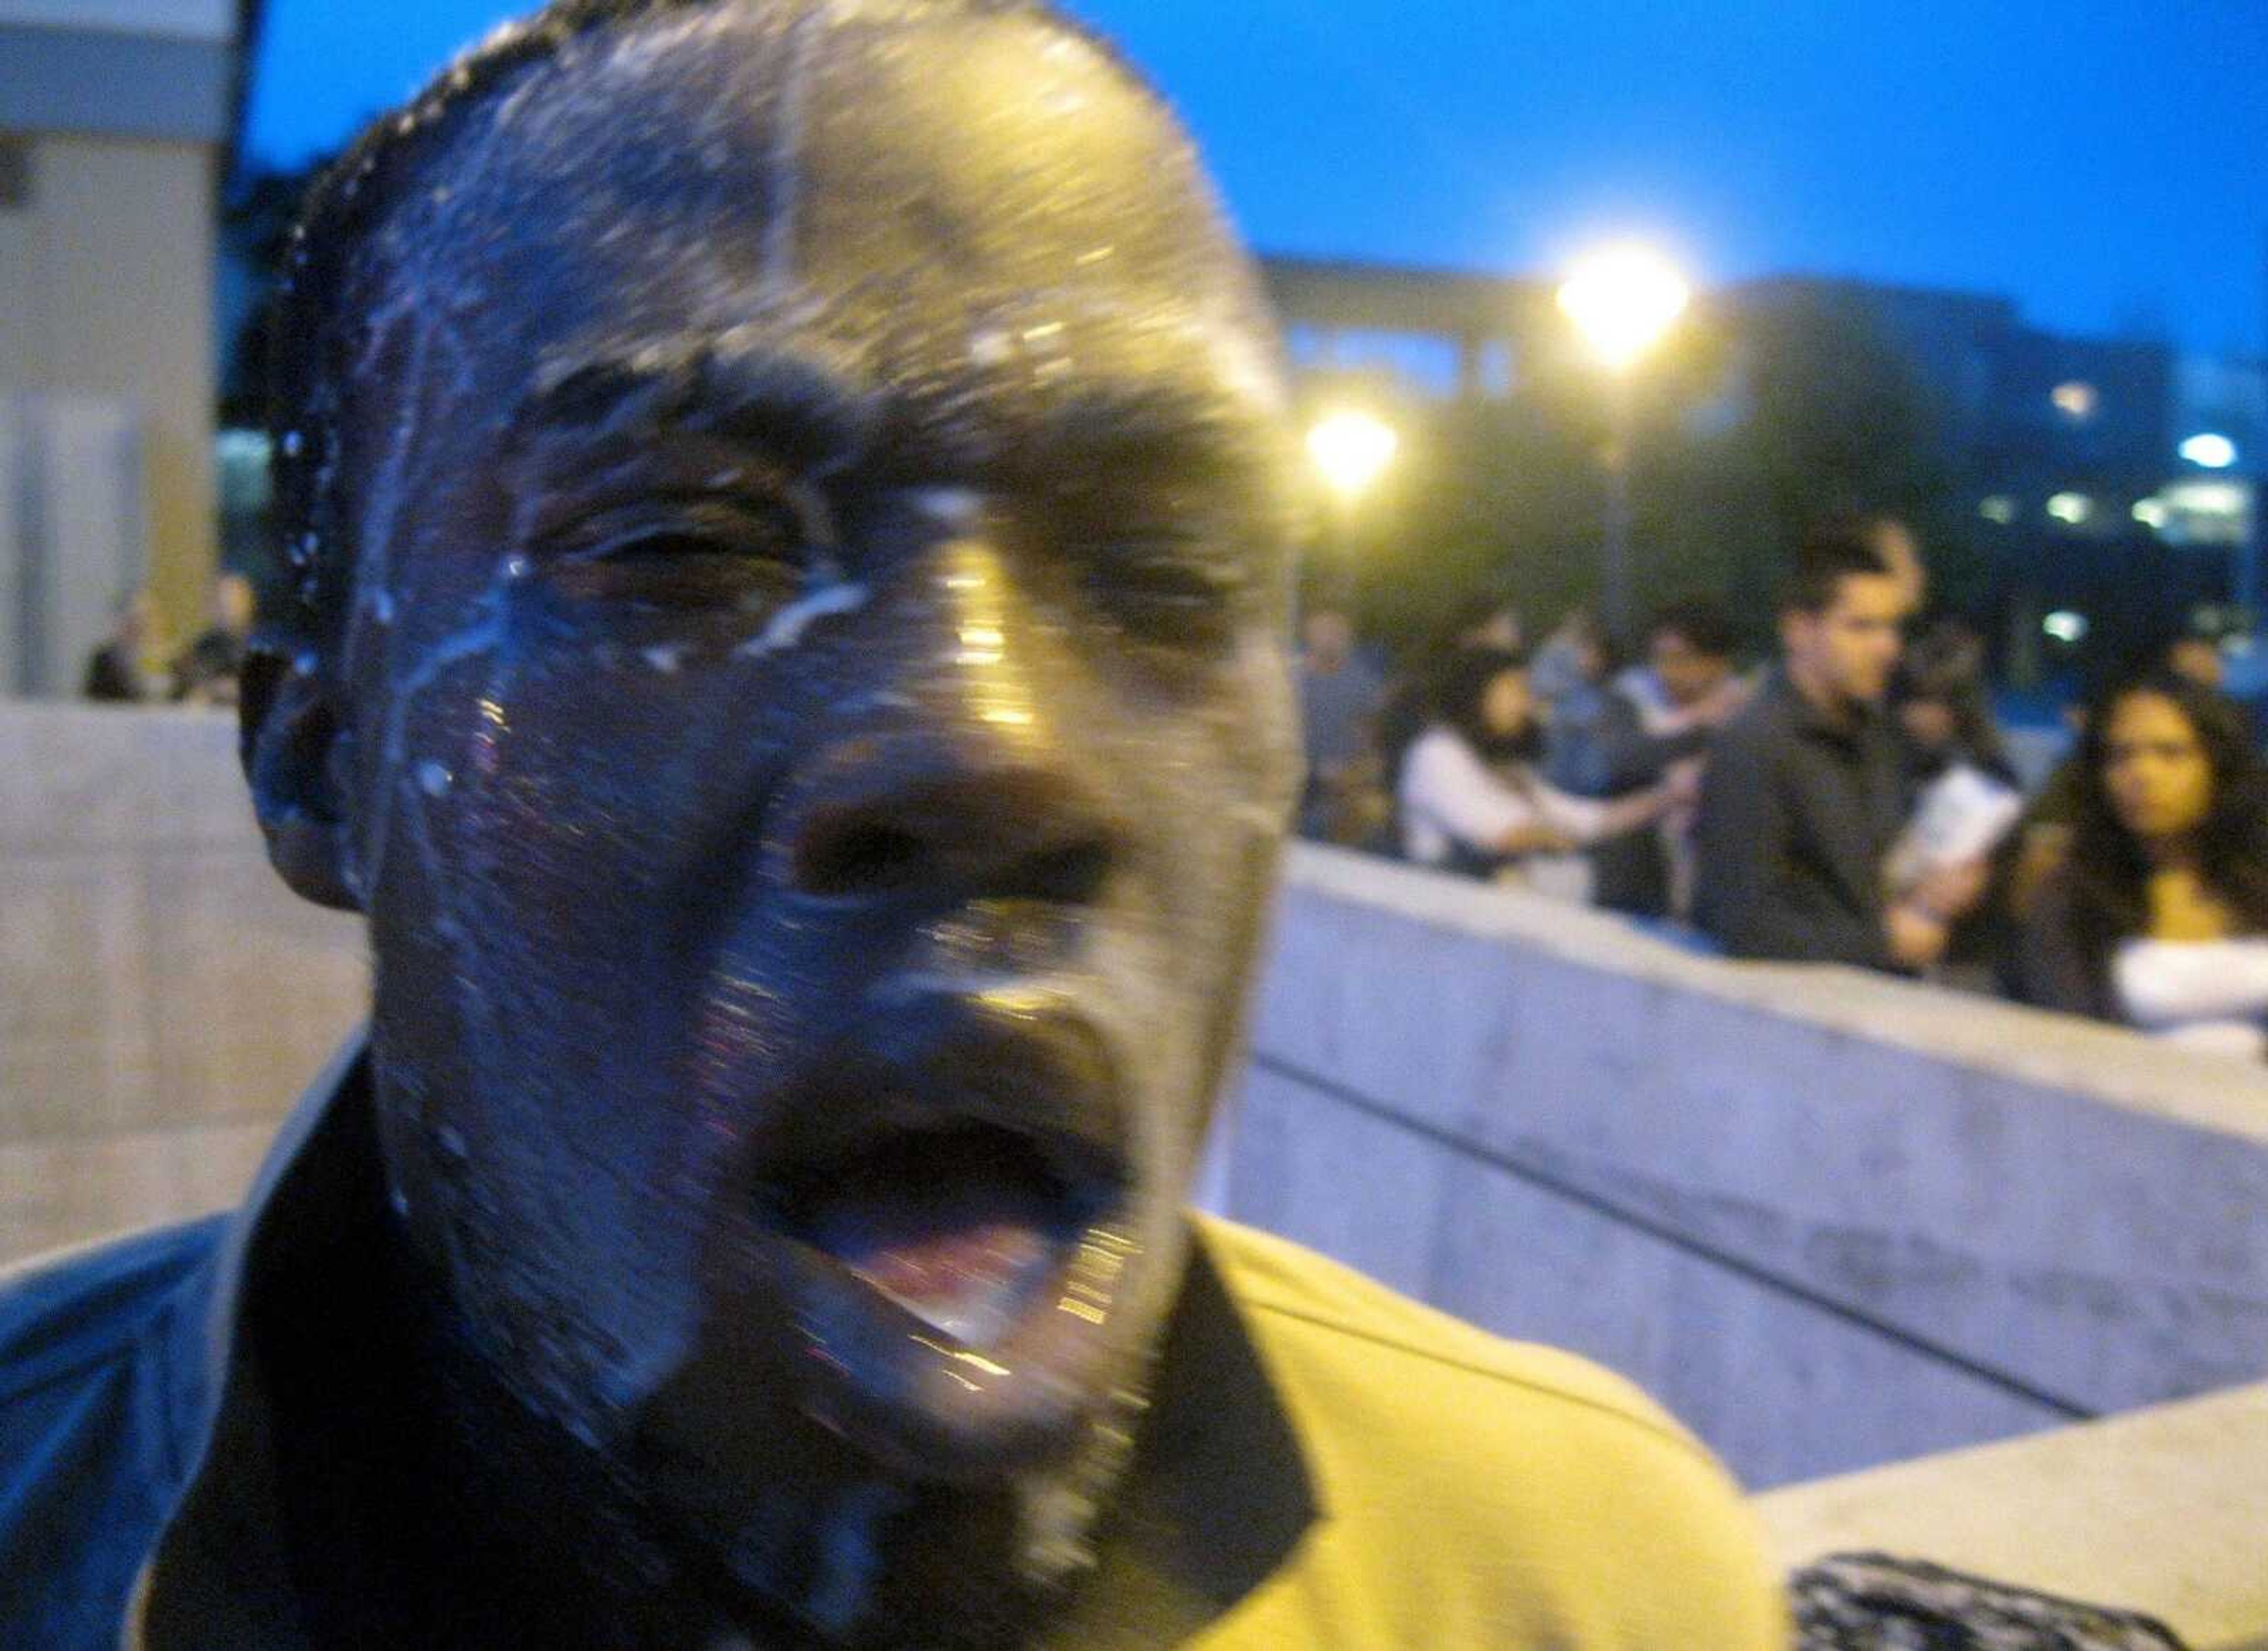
{"points": [[1152, 426], [804, 414]]}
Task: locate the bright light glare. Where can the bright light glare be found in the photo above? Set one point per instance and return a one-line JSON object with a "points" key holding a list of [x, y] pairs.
{"points": [[2065, 625], [2152, 513], [2207, 498], [1351, 449], [1999, 508], [2209, 450], [2071, 507], [2075, 400], [1623, 299]]}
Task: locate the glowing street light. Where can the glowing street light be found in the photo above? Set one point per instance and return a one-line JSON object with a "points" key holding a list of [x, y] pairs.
{"points": [[1351, 449], [1622, 300], [2209, 451]]}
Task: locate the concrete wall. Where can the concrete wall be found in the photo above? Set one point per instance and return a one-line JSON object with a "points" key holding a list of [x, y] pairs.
{"points": [[163, 996], [1831, 1220]]}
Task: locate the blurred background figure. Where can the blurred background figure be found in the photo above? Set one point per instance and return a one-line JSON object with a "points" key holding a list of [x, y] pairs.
{"points": [[1575, 657], [2199, 659], [1901, 553], [1482, 619], [1632, 732], [1963, 794], [1470, 798], [205, 672], [1340, 695], [113, 671], [2158, 914], [1802, 805]]}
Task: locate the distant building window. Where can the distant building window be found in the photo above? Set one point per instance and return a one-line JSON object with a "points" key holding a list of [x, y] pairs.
{"points": [[15, 173], [2076, 400]]}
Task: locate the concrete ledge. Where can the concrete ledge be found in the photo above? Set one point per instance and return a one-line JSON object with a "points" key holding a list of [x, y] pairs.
{"points": [[1831, 1220], [2163, 1511]]}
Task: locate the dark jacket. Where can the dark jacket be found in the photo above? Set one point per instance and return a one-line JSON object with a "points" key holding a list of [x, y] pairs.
{"points": [[2054, 968], [1600, 748], [1799, 813]]}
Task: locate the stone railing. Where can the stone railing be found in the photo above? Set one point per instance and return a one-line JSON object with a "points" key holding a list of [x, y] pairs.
{"points": [[1831, 1220]]}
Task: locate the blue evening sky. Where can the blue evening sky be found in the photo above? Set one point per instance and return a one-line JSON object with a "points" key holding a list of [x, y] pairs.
{"points": [[2105, 163]]}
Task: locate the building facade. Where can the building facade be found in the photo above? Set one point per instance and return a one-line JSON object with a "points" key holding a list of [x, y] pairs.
{"points": [[115, 117]]}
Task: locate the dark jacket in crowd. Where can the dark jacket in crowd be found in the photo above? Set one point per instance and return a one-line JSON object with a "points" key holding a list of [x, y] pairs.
{"points": [[2052, 968], [1600, 748], [1799, 813], [112, 677]]}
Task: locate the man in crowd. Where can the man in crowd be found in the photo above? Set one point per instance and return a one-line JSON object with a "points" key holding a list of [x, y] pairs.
{"points": [[1340, 695], [1802, 802], [206, 672], [1652, 718], [788, 656]]}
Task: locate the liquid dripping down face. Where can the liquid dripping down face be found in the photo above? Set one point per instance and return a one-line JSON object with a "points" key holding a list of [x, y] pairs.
{"points": [[818, 680]]}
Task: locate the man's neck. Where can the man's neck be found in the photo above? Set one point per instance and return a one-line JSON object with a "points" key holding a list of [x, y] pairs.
{"points": [[1833, 705]]}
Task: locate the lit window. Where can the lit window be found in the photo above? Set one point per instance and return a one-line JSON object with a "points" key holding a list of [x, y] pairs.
{"points": [[2209, 451], [2065, 625], [2000, 508], [2074, 508], [2075, 401], [2152, 513]]}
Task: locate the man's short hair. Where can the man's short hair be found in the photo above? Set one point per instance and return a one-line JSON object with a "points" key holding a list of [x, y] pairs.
{"points": [[309, 361], [1831, 552], [1703, 624]]}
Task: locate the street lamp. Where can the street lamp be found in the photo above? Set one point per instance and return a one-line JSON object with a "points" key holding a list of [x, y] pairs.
{"points": [[1351, 449], [1622, 300]]}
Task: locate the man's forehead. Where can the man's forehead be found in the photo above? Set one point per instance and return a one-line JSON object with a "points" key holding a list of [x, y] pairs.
{"points": [[963, 200]]}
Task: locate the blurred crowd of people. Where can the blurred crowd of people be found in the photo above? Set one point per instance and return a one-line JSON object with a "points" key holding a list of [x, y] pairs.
{"points": [[1851, 800], [133, 666]]}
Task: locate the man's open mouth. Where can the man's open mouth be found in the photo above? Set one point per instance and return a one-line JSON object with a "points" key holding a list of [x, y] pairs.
{"points": [[955, 1163], [963, 1223]]}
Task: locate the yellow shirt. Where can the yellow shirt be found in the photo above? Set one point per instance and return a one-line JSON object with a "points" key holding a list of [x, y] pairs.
{"points": [[1472, 1491]]}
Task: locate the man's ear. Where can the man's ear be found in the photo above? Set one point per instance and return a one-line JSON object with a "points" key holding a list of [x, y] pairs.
{"points": [[295, 745]]}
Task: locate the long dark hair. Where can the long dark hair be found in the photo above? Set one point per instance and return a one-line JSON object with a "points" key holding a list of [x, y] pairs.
{"points": [[1460, 686], [2108, 872], [1946, 665]]}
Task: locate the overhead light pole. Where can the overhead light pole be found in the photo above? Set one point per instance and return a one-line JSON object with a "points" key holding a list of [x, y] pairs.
{"points": [[1622, 300]]}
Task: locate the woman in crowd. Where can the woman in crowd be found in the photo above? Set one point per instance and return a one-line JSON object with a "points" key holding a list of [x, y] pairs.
{"points": [[1469, 797], [1944, 713], [2159, 914]]}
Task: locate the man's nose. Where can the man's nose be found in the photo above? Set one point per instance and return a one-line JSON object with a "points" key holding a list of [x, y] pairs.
{"points": [[976, 782], [890, 821]]}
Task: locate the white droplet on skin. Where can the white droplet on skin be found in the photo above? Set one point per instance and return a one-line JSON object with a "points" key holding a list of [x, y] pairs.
{"points": [[789, 623]]}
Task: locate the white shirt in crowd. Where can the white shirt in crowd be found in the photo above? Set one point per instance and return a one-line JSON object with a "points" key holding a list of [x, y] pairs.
{"points": [[1449, 796], [2205, 995]]}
